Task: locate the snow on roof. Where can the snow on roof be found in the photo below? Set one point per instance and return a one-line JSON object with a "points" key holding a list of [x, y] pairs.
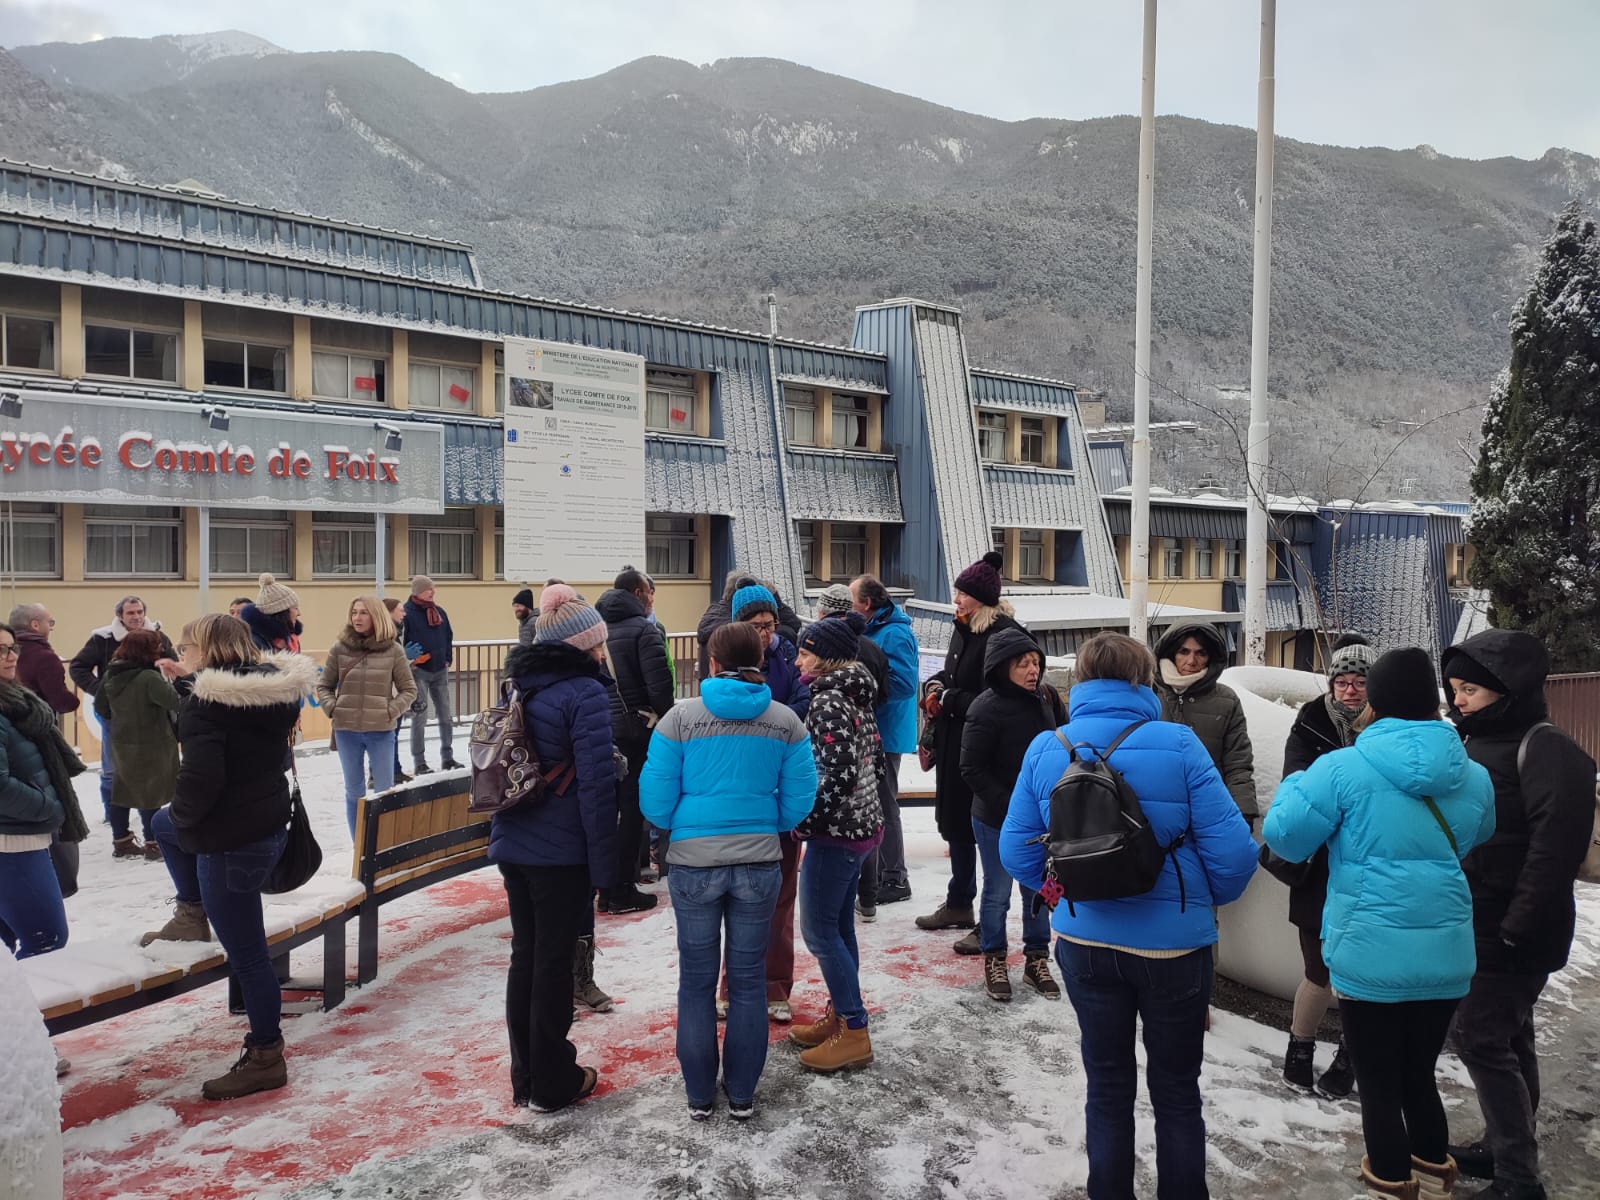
{"points": [[760, 528], [941, 359], [1049, 609]]}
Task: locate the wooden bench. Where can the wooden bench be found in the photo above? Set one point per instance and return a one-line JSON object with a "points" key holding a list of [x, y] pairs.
{"points": [[409, 838]]}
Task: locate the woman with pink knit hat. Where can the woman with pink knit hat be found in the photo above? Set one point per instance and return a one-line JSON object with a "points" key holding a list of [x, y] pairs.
{"points": [[553, 854]]}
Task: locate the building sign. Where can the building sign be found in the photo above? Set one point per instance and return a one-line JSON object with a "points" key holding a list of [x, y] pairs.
{"points": [[574, 461], [104, 450]]}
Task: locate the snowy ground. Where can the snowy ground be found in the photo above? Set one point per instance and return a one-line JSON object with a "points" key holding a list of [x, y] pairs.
{"points": [[402, 1091]]}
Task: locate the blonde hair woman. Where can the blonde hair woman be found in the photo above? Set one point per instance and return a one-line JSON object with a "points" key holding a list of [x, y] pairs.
{"points": [[366, 684]]}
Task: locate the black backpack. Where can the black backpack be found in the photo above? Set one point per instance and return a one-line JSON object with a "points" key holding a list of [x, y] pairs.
{"points": [[1099, 845]]}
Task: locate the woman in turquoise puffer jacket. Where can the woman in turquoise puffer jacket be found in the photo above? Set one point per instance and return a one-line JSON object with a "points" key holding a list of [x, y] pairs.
{"points": [[1397, 811]]}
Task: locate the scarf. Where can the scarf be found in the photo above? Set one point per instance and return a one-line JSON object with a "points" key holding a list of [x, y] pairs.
{"points": [[1175, 681], [1343, 720], [429, 607], [35, 721]]}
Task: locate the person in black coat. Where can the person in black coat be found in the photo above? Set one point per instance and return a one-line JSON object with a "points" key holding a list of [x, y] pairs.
{"points": [[720, 612], [1521, 878], [1324, 725], [228, 822], [980, 614], [638, 652], [1001, 725], [836, 603]]}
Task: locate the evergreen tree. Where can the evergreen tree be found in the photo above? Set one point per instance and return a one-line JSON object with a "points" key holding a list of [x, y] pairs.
{"points": [[1536, 488]]}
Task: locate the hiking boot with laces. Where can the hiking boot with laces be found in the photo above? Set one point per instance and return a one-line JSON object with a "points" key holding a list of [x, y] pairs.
{"points": [[126, 846], [152, 851], [846, 1050], [1297, 1066], [585, 991], [1339, 1080], [996, 981], [259, 1069], [969, 944], [188, 924], [1036, 974], [816, 1033], [945, 917]]}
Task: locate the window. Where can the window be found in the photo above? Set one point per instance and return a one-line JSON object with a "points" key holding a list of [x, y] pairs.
{"points": [[669, 402], [1171, 558], [992, 436], [500, 381], [1032, 450], [499, 543], [250, 542], [998, 537], [436, 385], [344, 546], [1205, 560], [1030, 554], [669, 547], [28, 342], [30, 541], [246, 365], [805, 533], [445, 546], [130, 353], [847, 551], [337, 376], [850, 422], [1233, 561], [122, 540], [800, 416]]}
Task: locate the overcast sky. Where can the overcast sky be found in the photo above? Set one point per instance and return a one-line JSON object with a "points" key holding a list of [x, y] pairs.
{"points": [[1476, 78]]}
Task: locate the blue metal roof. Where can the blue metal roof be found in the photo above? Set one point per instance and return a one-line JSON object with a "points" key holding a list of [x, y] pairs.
{"points": [[1177, 520], [1028, 498], [1109, 461], [687, 475], [851, 370], [836, 485], [1023, 391]]}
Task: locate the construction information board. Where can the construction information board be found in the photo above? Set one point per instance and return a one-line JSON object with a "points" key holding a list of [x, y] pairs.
{"points": [[574, 461]]}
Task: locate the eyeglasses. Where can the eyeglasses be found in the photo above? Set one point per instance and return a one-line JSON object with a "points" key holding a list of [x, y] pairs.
{"points": [[762, 626], [10, 651], [1350, 685]]}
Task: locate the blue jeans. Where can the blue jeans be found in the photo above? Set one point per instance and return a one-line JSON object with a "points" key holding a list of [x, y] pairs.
{"points": [[1110, 990], [31, 911], [359, 754], [107, 773], [828, 877], [228, 884], [996, 901], [704, 901]]}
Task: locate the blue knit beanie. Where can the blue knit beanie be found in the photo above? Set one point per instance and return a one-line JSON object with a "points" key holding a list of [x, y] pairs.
{"points": [[748, 601], [831, 641], [574, 623]]}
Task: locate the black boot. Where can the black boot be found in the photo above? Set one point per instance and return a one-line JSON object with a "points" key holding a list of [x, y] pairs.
{"points": [[626, 899], [1339, 1080], [1297, 1066]]}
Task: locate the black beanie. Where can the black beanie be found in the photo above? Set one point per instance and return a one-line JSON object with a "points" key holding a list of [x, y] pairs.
{"points": [[981, 580], [1400, 684], [524, 598], [1458, 664], [831, 640]]}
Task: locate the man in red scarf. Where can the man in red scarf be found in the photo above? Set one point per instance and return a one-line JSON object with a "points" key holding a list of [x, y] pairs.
{"points": [[428, 632]]}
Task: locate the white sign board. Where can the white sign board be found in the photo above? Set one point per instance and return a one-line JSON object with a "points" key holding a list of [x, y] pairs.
{"points": [[574, 461]]}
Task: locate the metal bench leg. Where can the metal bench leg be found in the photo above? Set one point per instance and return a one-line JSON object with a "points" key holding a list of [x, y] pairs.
{"points": [[333, 964], [367, 942]]}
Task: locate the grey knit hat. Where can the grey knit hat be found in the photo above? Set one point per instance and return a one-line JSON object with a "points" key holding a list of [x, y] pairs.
{"points": [[836, 599], [1354, 659]]}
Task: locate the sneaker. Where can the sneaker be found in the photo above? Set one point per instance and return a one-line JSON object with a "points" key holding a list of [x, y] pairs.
{"points": [[722, 1010], [450, 764], [628, 899], [742, 1112], [778, 1010], [421, 768], [700, 1112], [969, 944], [1297, 1067], [866, 912], [893, 893], [996, 981], [1036, 974], [944, 917], [1339, 1080], [400, 776], [1475, 1160]]}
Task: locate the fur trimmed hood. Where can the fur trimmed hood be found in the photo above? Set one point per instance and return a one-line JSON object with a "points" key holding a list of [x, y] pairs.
{"points": [[279, 678]]}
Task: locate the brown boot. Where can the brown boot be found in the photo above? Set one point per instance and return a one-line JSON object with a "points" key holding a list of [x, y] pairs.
{"points": [[585, 991], [996, 981], [1382, 1189], [1036, 974], [814, 1035], [945, 917], [152, 850], [126, 846], [259, 1069], [188, 924], [1434, 1180], [846, 1050]]}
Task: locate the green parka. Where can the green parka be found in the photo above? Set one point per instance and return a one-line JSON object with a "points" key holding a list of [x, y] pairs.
{"points": [[1214, 712], [143, 709]]}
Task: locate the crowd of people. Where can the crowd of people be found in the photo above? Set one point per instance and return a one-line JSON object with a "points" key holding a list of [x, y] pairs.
{"points": [[1430, 863]]}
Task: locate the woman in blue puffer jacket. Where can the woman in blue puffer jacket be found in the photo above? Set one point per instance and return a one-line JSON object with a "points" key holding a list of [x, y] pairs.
{"points": [[553, 853], [726, 773], [1147, 956], [1397, 811]]}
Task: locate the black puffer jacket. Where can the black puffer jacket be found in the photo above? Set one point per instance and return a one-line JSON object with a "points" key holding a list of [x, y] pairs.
{"points": [[234, 729], [1522, 877], [1213, 711], [638, 650], [1312, 736], [1001, 724], [962, 680], [849, 754]]}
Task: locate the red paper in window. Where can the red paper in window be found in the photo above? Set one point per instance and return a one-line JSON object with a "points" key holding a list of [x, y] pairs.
{"points": [[679, 415], [459, 394], [364, 383]]}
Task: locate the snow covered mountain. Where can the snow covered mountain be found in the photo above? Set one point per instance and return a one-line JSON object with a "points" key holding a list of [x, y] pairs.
{"points": [[119, 66]]}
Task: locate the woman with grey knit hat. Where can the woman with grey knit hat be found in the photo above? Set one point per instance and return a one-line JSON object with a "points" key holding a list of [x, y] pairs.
{"points": [[1324, 725]]}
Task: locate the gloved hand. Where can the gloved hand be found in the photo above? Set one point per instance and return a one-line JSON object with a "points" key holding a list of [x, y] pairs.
{"points": [[414, 651]]}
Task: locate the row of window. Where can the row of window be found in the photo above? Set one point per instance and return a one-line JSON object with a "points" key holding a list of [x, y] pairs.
{"points": [[849, 427], [1031, 564]]}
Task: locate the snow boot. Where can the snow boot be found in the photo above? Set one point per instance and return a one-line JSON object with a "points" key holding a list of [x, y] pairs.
{"points": [[1036, 974], [1476, 1160], [1382, 1189], [152, 850], [1339, 1080], [846, 1050], [1434, 1180], [996, 982], [259, 1069], [969, 944], [188, 924], [815, 1034], [945, 917], [126, 846], [1297, 1065], [585, 991]]}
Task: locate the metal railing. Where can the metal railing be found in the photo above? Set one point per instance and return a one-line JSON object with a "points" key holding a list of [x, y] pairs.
{"points": [[1574, 703]]}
